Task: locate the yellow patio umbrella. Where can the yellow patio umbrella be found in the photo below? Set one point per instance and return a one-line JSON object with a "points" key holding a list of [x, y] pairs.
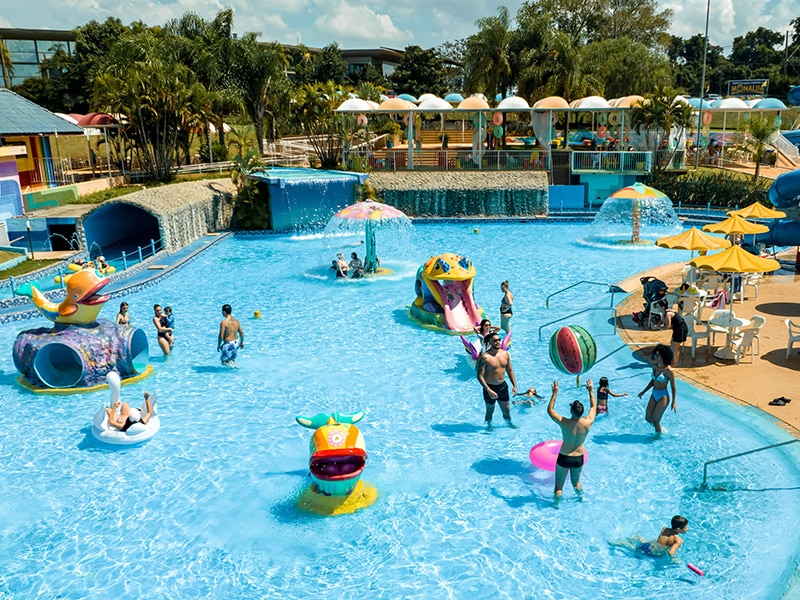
{"points": [[758, 211], [735, 260], [692, 239], [735, 225]]}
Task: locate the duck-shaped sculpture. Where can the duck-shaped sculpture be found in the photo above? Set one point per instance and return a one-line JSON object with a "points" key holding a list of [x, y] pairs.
{"points": [[82, 303]]}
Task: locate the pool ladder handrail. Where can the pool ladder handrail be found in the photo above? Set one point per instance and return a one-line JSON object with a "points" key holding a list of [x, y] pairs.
{"points": [[611, 308], [611, 288], [716, 460]]}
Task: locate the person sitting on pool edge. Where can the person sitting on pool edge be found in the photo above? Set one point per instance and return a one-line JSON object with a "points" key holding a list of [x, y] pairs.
{"points": [[129, 416]]}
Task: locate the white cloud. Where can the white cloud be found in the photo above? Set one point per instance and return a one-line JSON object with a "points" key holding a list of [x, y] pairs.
{"points": [[359, 23]]}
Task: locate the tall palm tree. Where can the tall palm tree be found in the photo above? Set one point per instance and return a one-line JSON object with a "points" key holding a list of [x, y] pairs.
{"points": [[560, 70], [757, 131], [257, 70], [6, 63], [487, 60], [659, 114]]}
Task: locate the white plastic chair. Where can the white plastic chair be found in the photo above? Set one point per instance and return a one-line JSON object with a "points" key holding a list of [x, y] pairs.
{"points": [[750, 280], [756, 323], [742, 341], [794, 335], [694, 325], [715, 329], [688, 274]]}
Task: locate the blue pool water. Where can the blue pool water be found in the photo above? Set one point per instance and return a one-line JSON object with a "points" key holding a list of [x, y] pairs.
{"points": [[206, 509]]}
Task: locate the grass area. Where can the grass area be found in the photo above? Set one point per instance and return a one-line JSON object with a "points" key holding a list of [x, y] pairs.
{"points": [[26, 267], [6, 256]]}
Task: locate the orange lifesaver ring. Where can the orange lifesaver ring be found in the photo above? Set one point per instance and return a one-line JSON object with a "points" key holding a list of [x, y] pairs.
{"points": [[602, 131], [362, 120], [707, 116], [497, 118]]}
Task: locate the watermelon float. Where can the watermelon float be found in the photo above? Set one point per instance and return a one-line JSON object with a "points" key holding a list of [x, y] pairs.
{"points": [[573, 350]]}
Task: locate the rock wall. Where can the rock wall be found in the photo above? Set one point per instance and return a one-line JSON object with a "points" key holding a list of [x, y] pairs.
{"points": [[464, 194]]}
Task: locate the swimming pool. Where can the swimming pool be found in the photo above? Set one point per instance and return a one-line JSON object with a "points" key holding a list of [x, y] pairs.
{"points": [[206, 508]]}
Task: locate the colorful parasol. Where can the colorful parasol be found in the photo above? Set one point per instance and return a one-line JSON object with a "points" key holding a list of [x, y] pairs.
{"points": [[365, 217], [638, 190], [758, 211]]}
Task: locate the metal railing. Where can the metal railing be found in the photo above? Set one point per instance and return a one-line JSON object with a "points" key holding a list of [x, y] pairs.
{"points": [[711, 462], [611, 162], [592, 308], [611, 288]]}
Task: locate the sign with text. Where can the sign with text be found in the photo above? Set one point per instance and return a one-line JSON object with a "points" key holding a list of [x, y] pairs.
{"points": [[748, 87]]}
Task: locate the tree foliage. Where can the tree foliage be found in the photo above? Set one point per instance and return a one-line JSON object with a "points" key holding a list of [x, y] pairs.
{"points": [[487, 58], [420, 71]]}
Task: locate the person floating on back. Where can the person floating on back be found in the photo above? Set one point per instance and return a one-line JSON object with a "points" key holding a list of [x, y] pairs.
{"points": [[574, 430], [231, 337]]}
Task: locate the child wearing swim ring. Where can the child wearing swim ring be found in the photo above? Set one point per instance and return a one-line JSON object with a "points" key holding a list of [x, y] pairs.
{"points": [[603, 392]]}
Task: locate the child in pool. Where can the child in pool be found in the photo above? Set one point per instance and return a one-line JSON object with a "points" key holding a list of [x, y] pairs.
{"points": [[530, 397], [603, 392], [668, 541], [169, 321]]}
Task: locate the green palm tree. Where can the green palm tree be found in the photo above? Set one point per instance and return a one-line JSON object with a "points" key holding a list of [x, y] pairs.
{"points": [[559, 71], [6, 64], [757, 130], [487, 60], [658, 115]]}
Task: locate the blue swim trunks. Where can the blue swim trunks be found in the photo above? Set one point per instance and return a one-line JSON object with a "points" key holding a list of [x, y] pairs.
{"points": [[229, 350]]}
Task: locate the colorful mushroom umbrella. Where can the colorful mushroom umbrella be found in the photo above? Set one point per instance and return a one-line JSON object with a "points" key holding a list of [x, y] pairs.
{"points": [[366, 217], [638, 190], [758, 211]]}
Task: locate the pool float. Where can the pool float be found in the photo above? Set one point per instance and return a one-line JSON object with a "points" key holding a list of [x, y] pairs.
{"points": [[474, 348], [695, 569], [136, 433], [545, 454], [337, 458], [444, 299], [78, 351]]}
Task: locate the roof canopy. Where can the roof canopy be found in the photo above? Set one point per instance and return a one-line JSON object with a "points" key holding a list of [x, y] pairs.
{"points": [[20, 116]]}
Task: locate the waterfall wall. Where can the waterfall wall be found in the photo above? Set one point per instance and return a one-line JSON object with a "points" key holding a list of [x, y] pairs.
{"points": [[460, 194]]}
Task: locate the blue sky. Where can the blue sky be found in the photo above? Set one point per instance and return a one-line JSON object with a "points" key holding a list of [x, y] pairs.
{"points": [[360, 24]]}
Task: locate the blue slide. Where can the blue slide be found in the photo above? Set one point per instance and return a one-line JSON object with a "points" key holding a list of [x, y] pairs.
{"points": [[784, 193]]}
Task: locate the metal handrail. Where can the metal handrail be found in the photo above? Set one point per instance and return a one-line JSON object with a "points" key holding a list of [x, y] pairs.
{"points": [[709, 462], [612, 308], [611, 288]]}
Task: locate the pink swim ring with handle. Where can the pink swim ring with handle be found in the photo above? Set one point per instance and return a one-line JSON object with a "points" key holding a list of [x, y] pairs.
{"points": [[545, 454]]}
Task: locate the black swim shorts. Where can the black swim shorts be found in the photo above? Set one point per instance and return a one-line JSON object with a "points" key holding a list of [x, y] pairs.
{"points": [[501, 389], [569, 462], [680, 333]]}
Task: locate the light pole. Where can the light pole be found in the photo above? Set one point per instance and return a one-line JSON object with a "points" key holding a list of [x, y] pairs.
{"points": [[30, 241], [702, 90]]}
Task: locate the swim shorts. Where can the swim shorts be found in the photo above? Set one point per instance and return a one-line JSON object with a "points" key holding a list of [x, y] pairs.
{"points": [[230, 350], [569, 462], [501, 389]]}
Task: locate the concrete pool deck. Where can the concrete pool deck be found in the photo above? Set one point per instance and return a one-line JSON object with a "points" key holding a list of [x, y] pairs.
{"points": [[769, 376]]}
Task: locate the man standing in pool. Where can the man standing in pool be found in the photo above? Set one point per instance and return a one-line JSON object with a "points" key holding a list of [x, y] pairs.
{"points": [[231, 337], [492, 368], [573, 433]]}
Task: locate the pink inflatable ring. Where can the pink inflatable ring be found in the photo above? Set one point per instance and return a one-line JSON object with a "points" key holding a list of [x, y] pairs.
{"points": [[545, 454]]}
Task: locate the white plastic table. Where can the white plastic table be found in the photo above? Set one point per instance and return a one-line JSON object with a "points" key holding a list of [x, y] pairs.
{"points": [[731, 323]]}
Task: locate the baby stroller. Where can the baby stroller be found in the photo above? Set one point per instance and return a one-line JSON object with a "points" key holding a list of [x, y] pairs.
{"points": [[654, 291]]}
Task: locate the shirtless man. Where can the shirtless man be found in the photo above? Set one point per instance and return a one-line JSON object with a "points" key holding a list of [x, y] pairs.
{"points": [[573, 433], [492, 368], [231, 337]]}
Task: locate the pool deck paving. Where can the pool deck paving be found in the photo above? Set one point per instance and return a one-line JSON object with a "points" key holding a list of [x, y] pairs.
{"points": [[770, 374]]}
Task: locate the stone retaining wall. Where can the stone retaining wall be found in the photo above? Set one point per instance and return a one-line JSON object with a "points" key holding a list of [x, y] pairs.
{"points": [[464, 194]]}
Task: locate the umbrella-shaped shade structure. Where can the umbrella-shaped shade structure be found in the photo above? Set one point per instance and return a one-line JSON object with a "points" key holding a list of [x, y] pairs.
{"points": [[367, 217], [692, 239], [735, 224], [636, 211], [638, 190], [758, 211], [736, 260]]}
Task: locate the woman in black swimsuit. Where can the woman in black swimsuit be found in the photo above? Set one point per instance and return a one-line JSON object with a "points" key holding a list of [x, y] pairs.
{"points": [[680, 330], [505, 306]]}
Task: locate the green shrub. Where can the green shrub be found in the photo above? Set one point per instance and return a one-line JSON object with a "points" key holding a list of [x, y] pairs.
{"points": [[219, 153], [722, 189]]}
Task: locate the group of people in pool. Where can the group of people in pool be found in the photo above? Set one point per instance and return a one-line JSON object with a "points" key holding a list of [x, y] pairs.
{"points": [[354, 269]]}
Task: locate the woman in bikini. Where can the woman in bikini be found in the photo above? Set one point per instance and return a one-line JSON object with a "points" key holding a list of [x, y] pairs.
{"points": [[123, 318], [505, 306], [659, 398], [484, 329]]}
